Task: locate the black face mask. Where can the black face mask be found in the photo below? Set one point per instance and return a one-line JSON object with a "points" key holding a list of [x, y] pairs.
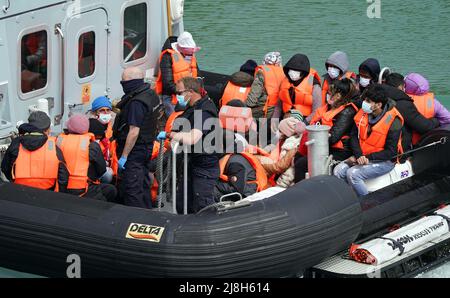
{"points": [[132, 85]]}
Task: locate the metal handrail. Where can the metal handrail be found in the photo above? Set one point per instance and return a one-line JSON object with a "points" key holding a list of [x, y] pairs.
{"points": [[175, 147], [58, 31]]}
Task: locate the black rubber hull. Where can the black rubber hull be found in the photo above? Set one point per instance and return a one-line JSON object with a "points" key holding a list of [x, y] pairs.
{"points": [[277, 237]]}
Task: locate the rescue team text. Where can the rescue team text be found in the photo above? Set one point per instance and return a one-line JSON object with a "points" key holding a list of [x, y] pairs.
{"points": [[226, 288]]}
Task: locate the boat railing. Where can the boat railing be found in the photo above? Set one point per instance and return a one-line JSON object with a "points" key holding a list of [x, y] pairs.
{"points": [[175, 148]]}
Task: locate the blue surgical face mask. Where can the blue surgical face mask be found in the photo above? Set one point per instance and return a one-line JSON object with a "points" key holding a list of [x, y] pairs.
{"points": [[333, 72], [366, 107], [182, 101], [364, 82]]}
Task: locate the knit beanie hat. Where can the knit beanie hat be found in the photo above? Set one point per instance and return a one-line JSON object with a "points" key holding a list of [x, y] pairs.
{"points": [[78, 124], [101, 102]]}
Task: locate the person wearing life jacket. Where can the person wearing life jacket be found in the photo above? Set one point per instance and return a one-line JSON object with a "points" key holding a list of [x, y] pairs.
{"points": [[84, 160], [337, 68], [177, 60], [33, 159], [414, 120], [240, 171], [240, 83], [101, 110], [418, 88], [369, 71], [338, 113], [98, 130], [375, 140], [300, 89], [135, 130], [264, 93]]}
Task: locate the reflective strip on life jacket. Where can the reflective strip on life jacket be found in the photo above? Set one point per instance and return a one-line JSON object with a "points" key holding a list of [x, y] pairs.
{"points": [[39, 168], [75, 149], [238, 119], [233, 91], [425, 106], [261, 178], [326, 85], [273, 76], [180, 69], [326, 117], [377, 139], [303, 101]]}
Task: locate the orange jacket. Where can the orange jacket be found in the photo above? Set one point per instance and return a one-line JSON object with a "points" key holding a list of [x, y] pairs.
{"points": [[233, 91], [375, 141], [180, 69], [38, 168], [425, 106], [273, 76], [326, 85], [75, 149], [261, 178], [239, 119], [326, 117], [303, 94]]}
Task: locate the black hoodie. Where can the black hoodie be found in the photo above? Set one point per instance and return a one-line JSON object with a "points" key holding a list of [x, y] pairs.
{"points": [[32, 143], [414, 120], [300, 63], [165, 65]]}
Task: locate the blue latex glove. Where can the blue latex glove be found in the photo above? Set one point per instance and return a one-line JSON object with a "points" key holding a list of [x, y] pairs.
{"points": [[122, 162], [162, 136]]}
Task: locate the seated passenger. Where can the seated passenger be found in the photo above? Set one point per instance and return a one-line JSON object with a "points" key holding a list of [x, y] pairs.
{"points": [[369, 72], [418, 88], [413, 118], [85, 161], [300, 89], [240, 83], [338, 113], [240, 171], [102, 111], [263, 96], [33, 159], [375, 140], [337, 69]]}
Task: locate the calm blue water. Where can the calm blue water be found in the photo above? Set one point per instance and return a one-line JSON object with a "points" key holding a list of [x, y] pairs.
{"points": [[410, 36]]}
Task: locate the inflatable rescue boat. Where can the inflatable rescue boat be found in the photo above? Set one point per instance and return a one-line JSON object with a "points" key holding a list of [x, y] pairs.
{"points": [[275, 233]]}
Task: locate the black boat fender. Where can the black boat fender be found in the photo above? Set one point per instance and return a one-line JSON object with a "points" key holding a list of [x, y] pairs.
{"points": [[275, 237]]}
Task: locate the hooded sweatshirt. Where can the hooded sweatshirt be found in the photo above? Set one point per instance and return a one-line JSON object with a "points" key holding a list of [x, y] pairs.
{"points": [[32, 143], [301, 63], [414, 120], [340, 60], [372, 66]]}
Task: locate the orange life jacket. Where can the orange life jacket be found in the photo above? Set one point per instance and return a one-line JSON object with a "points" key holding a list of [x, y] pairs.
{"points": [[326, 85], [114, 163], [377, 139], [233, 91], [326, 117], [273, 76], [180, 69], [425, 106], [38, 169], [171, 121], [303, 94], [239, 119], [75, 149], [261, 178], [109, 131]]}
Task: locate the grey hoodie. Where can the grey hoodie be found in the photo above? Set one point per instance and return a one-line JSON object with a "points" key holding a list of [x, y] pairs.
{"points": [[339, 59]]}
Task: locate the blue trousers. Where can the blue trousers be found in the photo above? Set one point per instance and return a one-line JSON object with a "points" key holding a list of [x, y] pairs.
{"points": [[356, 175]]}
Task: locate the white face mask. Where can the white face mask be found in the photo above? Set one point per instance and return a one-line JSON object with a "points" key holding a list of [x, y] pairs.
{"points": [[294, 75], [333, 72], [105, 118], [364, 82]]}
